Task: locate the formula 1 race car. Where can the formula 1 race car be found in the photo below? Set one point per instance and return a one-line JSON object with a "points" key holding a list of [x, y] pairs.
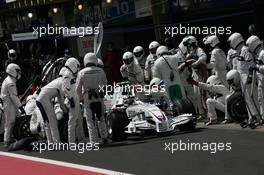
{"points": [[133, 113], [130, 115]]}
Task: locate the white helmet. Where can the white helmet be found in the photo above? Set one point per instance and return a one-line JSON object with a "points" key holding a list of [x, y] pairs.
{"points": [[211, 41], [11, 53], [182, 48], [100, 63], [162, 50], [190, 40], [153, 47], [73, 64], [128, 58], [13, 70], [62, 71], [253, 43], [235, 40], [90, 58], [185, 39], [138, 51], [213, 80], [233, 77], [193, 39]]}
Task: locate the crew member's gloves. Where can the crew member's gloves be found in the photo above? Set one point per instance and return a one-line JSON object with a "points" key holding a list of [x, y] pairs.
{"points": [[191, 81], [22, 110], [190, 62], [195, 64], [72, 104], [253, 68], [186, 64]]}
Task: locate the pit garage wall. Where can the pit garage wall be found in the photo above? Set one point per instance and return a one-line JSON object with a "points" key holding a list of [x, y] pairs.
{"points": [[130, 28]]}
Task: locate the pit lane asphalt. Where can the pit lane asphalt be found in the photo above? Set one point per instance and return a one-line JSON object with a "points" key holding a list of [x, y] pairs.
{"points": [[146, 155]]}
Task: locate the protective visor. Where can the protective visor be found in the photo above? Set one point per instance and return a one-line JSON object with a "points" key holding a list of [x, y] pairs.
{"points": [[153, 51], [138, 54], [128, 61], [12, 55]]}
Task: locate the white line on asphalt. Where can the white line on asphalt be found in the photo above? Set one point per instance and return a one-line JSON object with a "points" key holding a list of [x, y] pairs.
{"points": [[65, 164]]}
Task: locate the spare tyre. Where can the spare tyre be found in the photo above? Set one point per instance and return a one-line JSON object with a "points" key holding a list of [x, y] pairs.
{"points": [[22, 127], [236, 107]]}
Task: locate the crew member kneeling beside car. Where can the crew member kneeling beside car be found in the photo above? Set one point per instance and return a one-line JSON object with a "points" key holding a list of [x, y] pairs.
{"points": [[218, 100]]}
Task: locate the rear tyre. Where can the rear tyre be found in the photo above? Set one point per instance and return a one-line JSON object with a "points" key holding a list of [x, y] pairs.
{"points": [[236, 107]]}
